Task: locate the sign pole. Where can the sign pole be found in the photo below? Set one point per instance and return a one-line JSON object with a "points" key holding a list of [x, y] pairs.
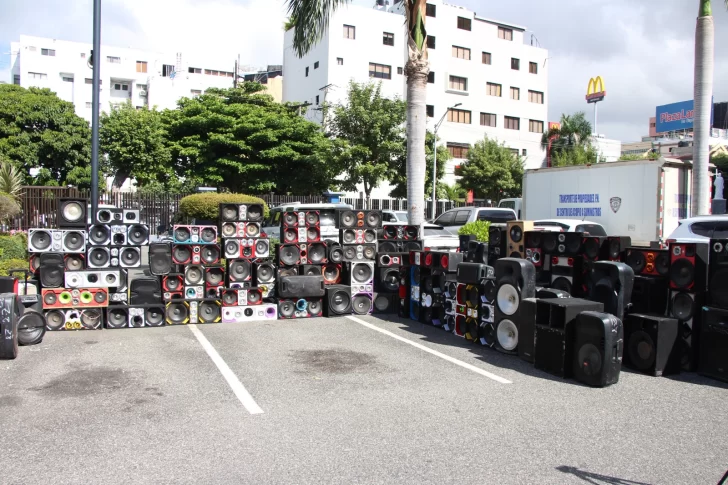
{"points": [[596, 132]]}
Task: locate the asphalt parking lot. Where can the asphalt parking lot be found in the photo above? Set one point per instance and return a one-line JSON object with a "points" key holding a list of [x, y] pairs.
{"points": [[341, 403]]}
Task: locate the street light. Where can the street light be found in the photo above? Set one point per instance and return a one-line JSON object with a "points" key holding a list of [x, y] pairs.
{"points": [[434, 163]]}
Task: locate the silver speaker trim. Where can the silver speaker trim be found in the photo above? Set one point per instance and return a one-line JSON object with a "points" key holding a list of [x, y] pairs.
{"points": [[508, 299]]}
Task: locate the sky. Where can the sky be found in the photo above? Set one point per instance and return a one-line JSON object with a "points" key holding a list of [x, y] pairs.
{"points": [[643, 49]]}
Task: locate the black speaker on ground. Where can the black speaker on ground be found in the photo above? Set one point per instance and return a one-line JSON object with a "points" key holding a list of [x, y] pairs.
{"points": [[651, 345], [145, 291], [9, 315], [387, 280], [72, 212], [526, 323], [615, 247], [474, 273], [52, 270], [31, 327], [713, 356], [515, 280], [649, 295], [338, 300], [464, 240], [311, 270], [718, 274], [160, 258], [560, 312], [555, 349], [611, 284], [686, 308], [497, 244], [477, 252], [544, 293], [386, 303], [598, 347], [301, 286]]}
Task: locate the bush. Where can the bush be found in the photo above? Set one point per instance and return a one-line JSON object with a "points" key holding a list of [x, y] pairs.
{"points": [[8, 264], [207, 206], [9, 207], [479, 229], [12, 247]]}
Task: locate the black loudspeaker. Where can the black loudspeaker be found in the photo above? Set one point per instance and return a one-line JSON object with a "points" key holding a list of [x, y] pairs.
{"points": [[713, 357], [360, 219], [474, 273], [685, 307], [562, 243], [386, 303], [31, 327], [515, 280], [465, 240], [334, 252], [526, 323], [542, 293], [311, 270], [497, 244], [554, 349], [718, 274], [615, 247], [387, 280], [160, 259], [611, 284], [9, 315], [338, 300], [650, 344], [598, 347], [301, 287], [592, 247], [72, 212], [145, 291], [560, 312], [689, 266], [649, 295], [52, 270]]}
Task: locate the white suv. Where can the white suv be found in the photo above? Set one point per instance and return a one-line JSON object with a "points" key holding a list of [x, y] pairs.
{"points": [[454, 219]]}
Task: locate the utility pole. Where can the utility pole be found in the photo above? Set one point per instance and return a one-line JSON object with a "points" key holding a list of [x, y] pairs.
{"points": [[95, 104], [235, 75]]}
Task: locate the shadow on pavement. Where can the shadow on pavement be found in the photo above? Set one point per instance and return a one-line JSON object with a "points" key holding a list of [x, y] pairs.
{"points": [[595, 478]]}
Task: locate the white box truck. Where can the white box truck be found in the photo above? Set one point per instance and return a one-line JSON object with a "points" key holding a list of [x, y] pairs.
{"points": [[642, 199]]}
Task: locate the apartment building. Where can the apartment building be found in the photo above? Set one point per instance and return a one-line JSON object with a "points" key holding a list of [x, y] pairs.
{"points": [[489, 67], [145, 78]]}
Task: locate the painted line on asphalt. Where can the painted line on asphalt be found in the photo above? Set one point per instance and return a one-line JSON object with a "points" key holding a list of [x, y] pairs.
{"points": [[238, 388], [453, 360]]}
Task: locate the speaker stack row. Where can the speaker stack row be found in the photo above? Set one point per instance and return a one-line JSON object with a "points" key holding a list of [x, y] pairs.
{"points": [[84, 267]]}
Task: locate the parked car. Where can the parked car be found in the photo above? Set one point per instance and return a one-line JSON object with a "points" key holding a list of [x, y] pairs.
{"points": [[327, 216], [394, 216], [700, 229], [454, 219], [571, 225]]}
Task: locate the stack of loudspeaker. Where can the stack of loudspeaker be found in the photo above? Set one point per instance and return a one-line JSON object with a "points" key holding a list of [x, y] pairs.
{"points": [[84, 267], [248, 288], [395, 241]]}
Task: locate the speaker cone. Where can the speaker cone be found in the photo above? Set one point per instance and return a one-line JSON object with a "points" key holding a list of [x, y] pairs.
{"points": [[55, 319], [287, 308], [289, 255], [591, 248], [182, 234], [208, 235], [74, 262], [230, 212], [99, 296], [390, 232], [315, 307], [290, 219], [490, 290], [41, 240], [362, 273], [177, 312], [662, 263], [313, 271], [232, 249], [99, 256], [507, 335], [562, 284], [265, 273], [181, 254], [99, 234], [288, 271], [348, 219], [682, 306], [349, 236], [91, 318], [254, 212], [390, 280], [590, 359], [340, 301], [254, 297], [193, 275], [316, 253], [72, 211], [209, 312], [173, 283], [154, 316], [508, 299], [290, 235], [411, 232], [252, 230], [412, 246], [138, 234], [682, 273], [370, 252], [262, 247], [336, 255], [312, 218], [230, 297], [103, 215], [516, 233], [361, 304], [387, 247], [240, 270], [210, 254], [214, 276], [229, 229], [130, 256], [641, 349], [636, 260], [373, 219], [50, 298], [381, 303]]}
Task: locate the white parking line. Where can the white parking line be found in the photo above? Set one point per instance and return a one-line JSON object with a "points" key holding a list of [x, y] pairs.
{"points": [[434, 352], [238, 388]]}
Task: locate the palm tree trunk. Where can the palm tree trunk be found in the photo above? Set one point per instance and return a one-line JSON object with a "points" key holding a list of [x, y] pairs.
{"points": [[703, 96]]}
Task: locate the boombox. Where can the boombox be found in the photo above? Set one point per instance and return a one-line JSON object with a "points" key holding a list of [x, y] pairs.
{"points": [[400, 233], [136, 316], [360, 252], [86, 319], [246, 248], [360, 219], [93, 279], [301, 219], [240, 229], [241, 297], [241, 212], [239, 314], [194, 234], [297, 254], [358, 236], [74, 298], [301, 234], [56, 240], [300, 308]]}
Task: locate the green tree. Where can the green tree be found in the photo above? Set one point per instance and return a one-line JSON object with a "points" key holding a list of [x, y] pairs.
{"points": [[452, 192], [575, 131], [577, 155], [81, 177], [11, 180], [311, 22], [492, 171], [398, 170], [242, 141], [40, 130], [372, 128], [135, 143]]}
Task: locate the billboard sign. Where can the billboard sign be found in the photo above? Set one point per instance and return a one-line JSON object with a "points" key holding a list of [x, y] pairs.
{"points": [[676, 116], [595, 90]]}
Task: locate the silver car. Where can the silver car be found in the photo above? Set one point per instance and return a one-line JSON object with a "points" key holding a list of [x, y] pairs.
{"points": [[700, 229]]}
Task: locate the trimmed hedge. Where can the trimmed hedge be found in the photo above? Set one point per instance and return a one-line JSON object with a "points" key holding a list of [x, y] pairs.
{"points": [[8, 264], [479, 229], [13, 247], [207, 206]]}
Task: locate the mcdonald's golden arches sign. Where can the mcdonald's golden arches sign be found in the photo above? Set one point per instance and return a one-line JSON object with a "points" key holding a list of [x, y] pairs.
{"points": [[595, 91]]}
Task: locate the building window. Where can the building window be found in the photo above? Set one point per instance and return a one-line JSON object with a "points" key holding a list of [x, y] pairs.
{"points": [[316, 65], [458, 116], [431, 77], [430, 10], [48, 52], [37, 75], [121, 87], [486, 58], [113, 59], [317, 100], [524, 152], [535, 97], [88, 105], [349, 32], [195, 92], [141, 66], [400, 70], [535, 126], [494, 89], [67, 79], [83, 55], [461, 52], [458, 83], [141, 86], [306, 71], [430, 111], [505, 34], [533, 68], [168, 69], [487, 119], [430, 41], [515, 93], [515, 64], [458, 150], [340, 61], [16, 79], [514, 151], [194, 70], [388, 39], [464, 24], [380, 71], [512, 123]]}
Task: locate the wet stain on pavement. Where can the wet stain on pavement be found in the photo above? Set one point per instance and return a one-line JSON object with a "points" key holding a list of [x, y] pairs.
{"points": [[86, 382], [333, 361], [10, 401]]}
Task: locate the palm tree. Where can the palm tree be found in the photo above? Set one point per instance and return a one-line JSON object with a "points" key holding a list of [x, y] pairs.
{"points": [[575, 130], [11, 180], [703, 98], [312, 20]]}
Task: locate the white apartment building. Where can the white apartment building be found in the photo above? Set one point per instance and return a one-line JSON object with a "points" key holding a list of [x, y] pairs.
{"points": [[146, 78], [487, 66]]}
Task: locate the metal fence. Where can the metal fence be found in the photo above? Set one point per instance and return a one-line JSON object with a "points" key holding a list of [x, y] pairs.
{"points": [[40, 205]]}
